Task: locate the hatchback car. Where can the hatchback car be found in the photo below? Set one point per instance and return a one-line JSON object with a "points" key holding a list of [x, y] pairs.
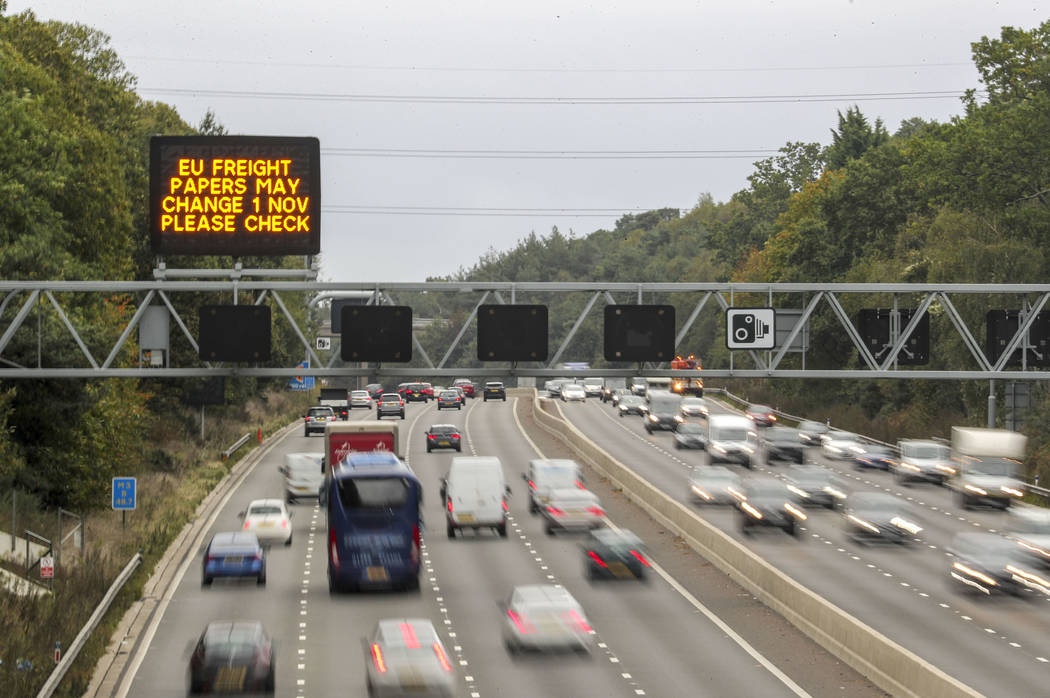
{"points": [[466, 384], [375, 390], [269, 520], [782, 444], [494, 391], [234, 554], [449, 399], [572, 509], [690, 435], [811, 433], [1030, 527], [360, 398], [695, 407], [841, 445], [815, 486], [632, 404], [443, 436], [232, 656], [573, 391], [545, 617], [766, 503], [614, 554], [414, 392], [390, 405], [990, 564], [317, 418], [405, 657], [875, 456], [761, 415], [715, 484], [880, 517]]}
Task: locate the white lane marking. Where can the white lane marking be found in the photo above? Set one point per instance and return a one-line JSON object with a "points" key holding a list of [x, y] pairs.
{"points": [[708, 613]]}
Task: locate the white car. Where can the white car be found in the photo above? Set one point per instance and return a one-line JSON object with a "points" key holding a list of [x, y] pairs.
{"points": [[573, 391], [406, 658], [269, 520], [360, 398], [842, 445], [545, 617], [694, 407]]}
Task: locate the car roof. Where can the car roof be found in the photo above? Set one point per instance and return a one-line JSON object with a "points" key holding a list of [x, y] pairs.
{"points": [[358, 392], [238, 631], [564, 494], [443, 426], [399, 632], [321, 408], [609, 536], [391, 395], [543, 594], [266, 502], [235, 538]]}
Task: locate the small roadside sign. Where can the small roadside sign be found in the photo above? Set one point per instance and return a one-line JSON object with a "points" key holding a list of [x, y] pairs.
{"points": [[324, 343], [47, 567], [124, 493], [751, 328]]}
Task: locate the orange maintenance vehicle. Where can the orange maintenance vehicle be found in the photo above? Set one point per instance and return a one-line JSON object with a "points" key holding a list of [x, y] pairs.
{"points": [[687, 386]]}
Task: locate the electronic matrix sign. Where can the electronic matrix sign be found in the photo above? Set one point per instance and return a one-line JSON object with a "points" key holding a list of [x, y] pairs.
{"points": [[235, 195]]}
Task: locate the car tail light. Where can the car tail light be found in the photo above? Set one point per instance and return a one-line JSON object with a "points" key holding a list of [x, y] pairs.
{"points": [[308, 419], [638, 556], [594, 556], [377, 659], [284, 524], [415, 544], [209, 558], [578, 620], [580, 485], [532, 485], [440, 652], [555, 510], [333, 549], [408, 634], [597, 511], [450, 506], [524, 626], [258, 555], [431, 437], [247, 525], [505, 505], [455, 436]]}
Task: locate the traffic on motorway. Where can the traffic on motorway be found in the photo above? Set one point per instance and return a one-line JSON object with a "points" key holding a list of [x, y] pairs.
{"points": [[344, 582]]}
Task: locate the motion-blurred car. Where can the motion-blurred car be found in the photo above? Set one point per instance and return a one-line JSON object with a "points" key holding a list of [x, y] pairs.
{"points": [[548, 474], [766, 503], [232, 656], [880, 517], [405, 657], [317, 418], [782, 444], [695, 407], [466, 384], [614, 554], [875, 456], [638, 386], [632, 404], [360, 398], [390, 405], [841, 445], [449, 399], [761, 415], [715, 484], [572, 509], [428, 390], [269, 520], [414, 392], [593, 386], [665, 411], [811, 433], [923, 460], [545, 617], [494, 390], [573, 391], [815, 486], [1030, 527], [374, 390], [303, 475], [443, 436], [991, 564], [616, 394], [690, 435], [607, 392], [234, 554]]}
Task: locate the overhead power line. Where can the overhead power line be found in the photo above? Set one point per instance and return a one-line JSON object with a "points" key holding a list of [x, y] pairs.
{"points": [[486, 211], [552, 154], [464, 99]]}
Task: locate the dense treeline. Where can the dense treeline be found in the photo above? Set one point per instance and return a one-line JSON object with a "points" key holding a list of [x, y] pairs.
{"points": [[74, 151], [963, 201]]}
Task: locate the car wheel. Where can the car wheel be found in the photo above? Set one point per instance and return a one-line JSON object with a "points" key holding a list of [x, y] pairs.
{"points": [[402, 415], [502, 530], [451, 530], [749, 464], [289, 541], [196, 686], [271, 679], [379, 415], [261, 581], [550, 530], [289, 498], [459, 449], [964, 500], [504, 398], [306, 433], [429, 449], [745, 527], [533, 509], [205, 581], [621, 413], [485, 399]]}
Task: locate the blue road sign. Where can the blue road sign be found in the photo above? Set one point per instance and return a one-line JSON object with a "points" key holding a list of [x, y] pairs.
{"points": [[124, 493], [301, 382]]}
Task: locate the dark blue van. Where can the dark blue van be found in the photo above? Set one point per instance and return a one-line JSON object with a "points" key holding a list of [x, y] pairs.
{"points": [[373, 506]]}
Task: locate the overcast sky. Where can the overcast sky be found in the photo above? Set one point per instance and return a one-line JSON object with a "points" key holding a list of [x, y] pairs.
{"points": [[709, 70]]}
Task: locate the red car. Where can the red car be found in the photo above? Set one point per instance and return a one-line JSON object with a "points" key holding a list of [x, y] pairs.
{"points": [[761, 415], [466, 384]]}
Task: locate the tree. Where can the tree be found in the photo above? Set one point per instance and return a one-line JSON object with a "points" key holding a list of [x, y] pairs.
{"points": [[1015, 66], [853, 138]]}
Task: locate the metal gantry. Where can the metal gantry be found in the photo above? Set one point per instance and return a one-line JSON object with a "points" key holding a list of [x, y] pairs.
{"points": [[22, 299]]}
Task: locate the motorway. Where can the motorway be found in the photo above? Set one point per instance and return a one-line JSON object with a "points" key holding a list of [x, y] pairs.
{"points": [[998, 646], [652, 639]]}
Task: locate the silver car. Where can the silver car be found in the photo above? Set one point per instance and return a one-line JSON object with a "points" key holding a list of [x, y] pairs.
{"points": [[715, 484], [545, 617], [360, 398], [406, 658], [572, 509]]}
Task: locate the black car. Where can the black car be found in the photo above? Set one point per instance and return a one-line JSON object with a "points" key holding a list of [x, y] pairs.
{"points": [[875, 456], [665, 412], [880, 517], [782, 444], [443, 436], [690, 435], [990, 564], [631, 404], [232, 656], [449, 399], [614, 554], [766, 503], [415, 392], [810, 433], [375, 390], [815, 486], [494, 391], [317, 418]]}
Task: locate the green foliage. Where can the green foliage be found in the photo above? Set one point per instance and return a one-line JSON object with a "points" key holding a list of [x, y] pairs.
{"points": [[854, 137]]}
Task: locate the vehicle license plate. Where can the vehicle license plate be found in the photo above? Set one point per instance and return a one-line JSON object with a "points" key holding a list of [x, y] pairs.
{"points": [[234, 560], [466, 518], [230, 678], [412, 680], [377, 574], [620, 570], [266, 524], [444, 442]]}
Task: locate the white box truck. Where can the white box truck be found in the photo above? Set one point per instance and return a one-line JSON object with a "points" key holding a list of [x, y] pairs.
{"points": [[988, 464]]}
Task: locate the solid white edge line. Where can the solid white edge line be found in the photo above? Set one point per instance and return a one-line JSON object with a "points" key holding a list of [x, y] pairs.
{"points": [[708, 613]]}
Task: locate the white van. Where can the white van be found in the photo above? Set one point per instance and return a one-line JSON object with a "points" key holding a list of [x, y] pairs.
{"points": [[546, 474], [475, 494], [303, 475], [731, 438]]}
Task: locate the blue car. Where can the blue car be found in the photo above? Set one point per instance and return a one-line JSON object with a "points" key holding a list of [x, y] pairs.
{"points": [[234, 554], [875, 456]]}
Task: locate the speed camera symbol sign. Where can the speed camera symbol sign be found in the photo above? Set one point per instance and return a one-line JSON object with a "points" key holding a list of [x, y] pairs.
{"points": [[751, 328]]}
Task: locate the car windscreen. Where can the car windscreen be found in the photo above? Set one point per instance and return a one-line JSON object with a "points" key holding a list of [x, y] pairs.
{"points": [[781, 435], [319, 413], [555, 476], [630, 401], [442, 430], [996, 467], [928, 452], [730, 434], [264, 510], [690, 429], [665, 404], [373, 492]]}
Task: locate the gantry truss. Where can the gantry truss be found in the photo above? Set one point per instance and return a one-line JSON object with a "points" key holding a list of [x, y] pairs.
{"points": [[22, 305]]}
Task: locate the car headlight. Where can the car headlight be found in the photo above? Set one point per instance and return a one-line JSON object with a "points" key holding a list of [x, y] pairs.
{"points": [[795, 511], [975, 488], [799, 491], [835, 492], [857, 449], [908, 526], [947, 469], [751, 510], [910, 466], [678, 418], [1012, 490], [653, 418], [863, 524]]}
